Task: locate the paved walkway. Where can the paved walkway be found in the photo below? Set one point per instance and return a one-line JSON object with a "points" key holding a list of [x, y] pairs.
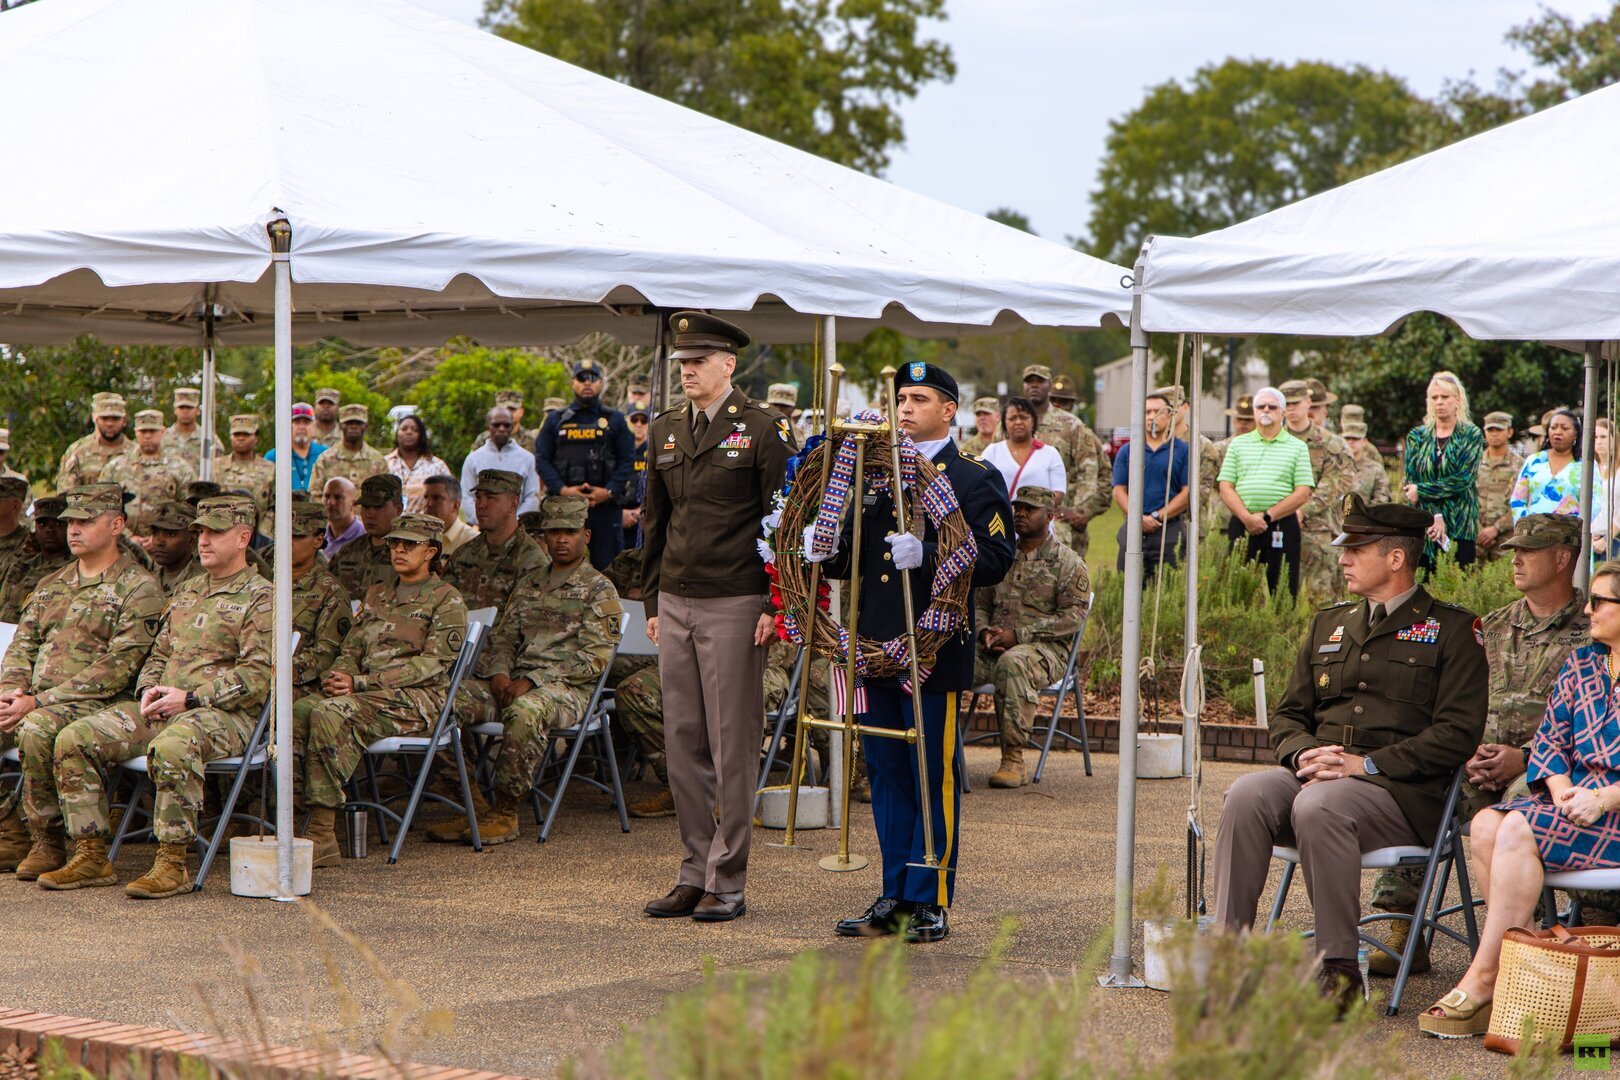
{"points": [[540, 951]]}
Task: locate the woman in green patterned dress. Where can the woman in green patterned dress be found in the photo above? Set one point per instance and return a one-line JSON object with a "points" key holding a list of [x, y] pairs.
{"points": [[1441, 458]]}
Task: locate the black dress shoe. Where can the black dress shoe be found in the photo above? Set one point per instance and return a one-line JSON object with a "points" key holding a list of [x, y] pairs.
{"points": [[713, 909], [928, 923], [879, 920], [681, 901]]}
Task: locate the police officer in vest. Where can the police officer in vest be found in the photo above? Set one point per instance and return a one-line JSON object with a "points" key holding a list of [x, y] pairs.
{"points": [[587, 450]]}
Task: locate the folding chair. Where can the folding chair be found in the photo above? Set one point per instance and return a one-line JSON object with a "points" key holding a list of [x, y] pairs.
{"points": [[445, 736], [1067, 683], [1437, 861], [633, 642], [255, 756], [1606, 880], [595, 725], [775, 750], [11, 769]]}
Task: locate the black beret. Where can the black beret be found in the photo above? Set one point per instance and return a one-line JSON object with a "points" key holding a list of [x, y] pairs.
{"points": [[1363, 524], [924, 374]]}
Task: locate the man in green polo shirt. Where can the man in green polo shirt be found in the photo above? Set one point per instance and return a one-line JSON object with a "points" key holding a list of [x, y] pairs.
{"points": [[1265, 478]]}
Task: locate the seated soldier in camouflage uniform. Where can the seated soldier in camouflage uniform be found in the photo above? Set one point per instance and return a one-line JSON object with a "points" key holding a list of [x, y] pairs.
{"points": [[197, 698], [486, 568], [321, 610], [366, 561], [1526, 644], [83, 635], [1026, 626], [46, 553], [173, 546], [391, 678], [550, 646]]}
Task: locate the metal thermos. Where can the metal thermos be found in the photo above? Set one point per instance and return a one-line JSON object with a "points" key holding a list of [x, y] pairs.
{"points": [[357, 824]]}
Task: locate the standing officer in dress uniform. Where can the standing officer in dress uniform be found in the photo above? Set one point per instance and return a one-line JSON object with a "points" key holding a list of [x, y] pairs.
{"points": [[587, 450], [926, 399], [716, 464], [1387, 698]]}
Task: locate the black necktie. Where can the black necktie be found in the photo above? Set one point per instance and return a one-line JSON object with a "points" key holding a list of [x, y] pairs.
{"points": [[701, 428], [1374, 613]]}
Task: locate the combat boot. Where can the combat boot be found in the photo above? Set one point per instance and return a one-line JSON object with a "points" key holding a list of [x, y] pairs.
{"points": [[15, 843], [87, 869], [47, 853], [501, 822], [1011, 773], [659, 805], [322, 831], [168, 876], [1381, 963]]}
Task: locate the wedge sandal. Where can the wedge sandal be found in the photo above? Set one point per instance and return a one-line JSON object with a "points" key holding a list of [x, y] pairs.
{"points": [[1463, 1017]]}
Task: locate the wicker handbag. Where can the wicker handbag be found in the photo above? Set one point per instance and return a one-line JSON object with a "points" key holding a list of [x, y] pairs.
{"points": [[1566, 982]]}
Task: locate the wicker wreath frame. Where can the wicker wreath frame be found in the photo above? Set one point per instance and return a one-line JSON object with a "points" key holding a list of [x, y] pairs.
{"points": [[793, 570]]}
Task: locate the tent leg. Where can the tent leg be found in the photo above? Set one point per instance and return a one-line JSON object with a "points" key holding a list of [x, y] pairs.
{"points": [[1195, 392], [281, 249], [1594, 351], [205, 454], [1120, 972]]}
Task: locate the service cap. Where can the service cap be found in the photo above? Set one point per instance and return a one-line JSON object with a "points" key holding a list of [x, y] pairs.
{"points": [[697, 333], [1535, 531], [107, 404], [379, 490], [1063, 388], [1030, 495], [225, 512], [499, 482], [564, 512], [589, 369], [423, 528], [91, 501], [1364, 524], [1243, 408], [1320, 394]]}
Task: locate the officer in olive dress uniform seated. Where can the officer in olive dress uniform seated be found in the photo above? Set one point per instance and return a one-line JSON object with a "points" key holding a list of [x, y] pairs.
{"points": [[1387, 698]]}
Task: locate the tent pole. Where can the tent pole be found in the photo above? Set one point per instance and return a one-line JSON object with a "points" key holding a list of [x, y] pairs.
{"points": [[205, 453], [1195, 392], [1130, 663], [1594, 351], [281, 248]]}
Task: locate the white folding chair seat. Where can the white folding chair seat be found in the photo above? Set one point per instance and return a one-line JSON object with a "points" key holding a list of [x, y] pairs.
{"points": [[1603, 880]]}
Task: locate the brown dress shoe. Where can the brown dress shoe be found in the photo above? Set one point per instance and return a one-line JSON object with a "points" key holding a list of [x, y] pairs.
{"points": [[713, 909], [1340, 981], [677, 904]]}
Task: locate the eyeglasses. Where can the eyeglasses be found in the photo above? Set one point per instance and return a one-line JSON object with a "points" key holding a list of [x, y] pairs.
{"points": [[1598, 600], [401, 542]]}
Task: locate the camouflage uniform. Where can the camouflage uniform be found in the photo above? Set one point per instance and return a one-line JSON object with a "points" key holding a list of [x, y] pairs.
{"points": [[1372, 481], [152, 480], [15, 545], [23, 576], [1493, 480], [170, 579], [361, 564], [975, 444], [486, 575], [188, 448], [322, 616], [1042, 600], [558, 631], [256, 476], [79, 644], [83, 461], [1335, 470], [1216, 512], [404, 642], [1083, 456], [216, 641], [339, 460]]}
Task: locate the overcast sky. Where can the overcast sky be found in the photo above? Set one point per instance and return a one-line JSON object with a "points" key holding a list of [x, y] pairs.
{"points": [[1024, 122]]}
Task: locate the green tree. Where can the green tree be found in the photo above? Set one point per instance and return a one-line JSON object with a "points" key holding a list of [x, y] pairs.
{"points": [[455, 399], [1240, 138], [825, 76], [1014, 219], [1577, 58]]}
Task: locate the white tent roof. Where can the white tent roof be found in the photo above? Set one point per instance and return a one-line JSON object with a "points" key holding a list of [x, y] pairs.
{"points": [[440, 181], [1514, 234]]}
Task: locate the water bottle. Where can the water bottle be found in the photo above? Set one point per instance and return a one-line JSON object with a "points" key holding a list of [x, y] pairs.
{"points": [[1364, 961], [357, 825]]}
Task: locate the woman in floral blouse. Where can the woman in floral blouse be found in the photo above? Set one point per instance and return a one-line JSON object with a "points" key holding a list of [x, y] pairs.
{"points": [[413, 462], [1550, 482], [1442, 456]]}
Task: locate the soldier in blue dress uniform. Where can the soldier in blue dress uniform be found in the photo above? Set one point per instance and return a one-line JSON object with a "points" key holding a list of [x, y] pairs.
{"points": [[913, 896]]}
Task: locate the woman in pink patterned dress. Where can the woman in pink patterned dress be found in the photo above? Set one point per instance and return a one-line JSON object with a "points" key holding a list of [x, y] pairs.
{"points": [[1570, 820]]}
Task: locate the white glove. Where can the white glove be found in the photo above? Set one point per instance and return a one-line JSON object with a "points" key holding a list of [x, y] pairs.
{"points": [[811, 555], [907, 549]]}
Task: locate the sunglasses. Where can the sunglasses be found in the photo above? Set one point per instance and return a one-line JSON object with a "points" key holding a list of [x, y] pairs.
{"points": [[587, 376], [401, 542], [1266, 408], [1598, 600]]}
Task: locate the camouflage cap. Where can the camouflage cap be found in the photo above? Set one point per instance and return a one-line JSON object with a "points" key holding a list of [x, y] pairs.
{"points": [[107, 404], [1535, 531], [5, 438], [1243, 408], [509, 398], [1364, 524], [354, 411], [49, 508], [380, 490], [423, 528], [225, 512], [327, 394], [244, 424], [1037, 371], [1063, 388], [499, 482], [149, 420], [308, 518], [198, 490], [1352, 429], [555, 404], [1352, 412], [782, 394], [174, 516], [1320, 394], [13, 487], [640, 384], [564, 512], [1173, 395], [187, 395], [530, 520], [1030, 495], [91, 501], [1498, 420], [984, 404], [1295, 390]]}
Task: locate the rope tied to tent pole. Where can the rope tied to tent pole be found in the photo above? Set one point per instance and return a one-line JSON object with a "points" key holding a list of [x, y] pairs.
{"points": [[1148, 670]]}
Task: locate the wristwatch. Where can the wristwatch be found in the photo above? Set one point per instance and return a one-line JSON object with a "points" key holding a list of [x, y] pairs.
{"points": [[1266, 515], [1368, 764], [191, 700]]}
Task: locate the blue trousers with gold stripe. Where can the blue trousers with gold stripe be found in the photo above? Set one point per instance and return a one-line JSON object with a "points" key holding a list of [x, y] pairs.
{"points": [[891, 765]]}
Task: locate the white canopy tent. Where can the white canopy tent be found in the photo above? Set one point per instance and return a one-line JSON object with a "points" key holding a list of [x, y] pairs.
{"points": [[1502, 233], [419, 179]]}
